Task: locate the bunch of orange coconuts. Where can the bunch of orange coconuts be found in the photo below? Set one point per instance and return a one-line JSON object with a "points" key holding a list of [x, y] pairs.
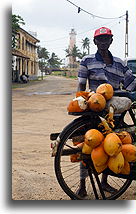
{"points": [[95, 101], [107, 148], [115, 150]]}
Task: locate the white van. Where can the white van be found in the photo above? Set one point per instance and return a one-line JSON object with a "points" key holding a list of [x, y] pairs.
{"points": [[131, 63]]}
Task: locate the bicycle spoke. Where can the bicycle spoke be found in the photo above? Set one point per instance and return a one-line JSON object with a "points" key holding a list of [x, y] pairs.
{"points": [[69, 169]]}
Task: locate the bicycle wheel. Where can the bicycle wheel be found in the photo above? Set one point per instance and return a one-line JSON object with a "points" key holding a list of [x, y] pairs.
{"points": [[68, 173], [130, 120]]}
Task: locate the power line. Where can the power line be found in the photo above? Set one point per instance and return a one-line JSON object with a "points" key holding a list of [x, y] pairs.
{"points": [[65, 37], [55, 39], [94, 16], [107, 23]]}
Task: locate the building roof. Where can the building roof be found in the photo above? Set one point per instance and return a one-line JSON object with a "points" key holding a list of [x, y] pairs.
{"points": [[30, 34]]}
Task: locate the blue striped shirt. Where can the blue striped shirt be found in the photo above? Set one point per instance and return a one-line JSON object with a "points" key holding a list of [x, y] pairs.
{"points": [[93, 69]]}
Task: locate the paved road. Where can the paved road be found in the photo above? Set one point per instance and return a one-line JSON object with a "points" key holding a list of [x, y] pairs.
{"points": [[38, 110]]}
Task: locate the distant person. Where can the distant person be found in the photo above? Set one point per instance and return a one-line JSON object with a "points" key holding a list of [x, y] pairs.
{"points": [[24, 78], [99, 68]]}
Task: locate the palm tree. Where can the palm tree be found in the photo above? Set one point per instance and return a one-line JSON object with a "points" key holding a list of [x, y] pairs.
{"points": [[83, 54], [75, 52], [54, 61], [86, 44], [43, 53], [43, 56]]}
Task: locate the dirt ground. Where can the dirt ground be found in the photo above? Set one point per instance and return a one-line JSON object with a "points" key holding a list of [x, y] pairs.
{"points": [[38, 110]]}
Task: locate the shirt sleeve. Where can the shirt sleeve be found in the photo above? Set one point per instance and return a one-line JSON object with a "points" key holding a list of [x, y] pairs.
{"points": [[129, 80], [82, 72]]}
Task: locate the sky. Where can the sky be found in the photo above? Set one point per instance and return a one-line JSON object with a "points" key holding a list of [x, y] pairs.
{"points": [[53, 20]]}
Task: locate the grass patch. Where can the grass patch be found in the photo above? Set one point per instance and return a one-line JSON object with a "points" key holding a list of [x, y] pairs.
{"points": [[57, 73], [63, 73], [73, 77]]}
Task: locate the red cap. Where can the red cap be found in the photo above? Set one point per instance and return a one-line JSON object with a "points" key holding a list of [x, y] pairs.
{"points": [[103, 31]]}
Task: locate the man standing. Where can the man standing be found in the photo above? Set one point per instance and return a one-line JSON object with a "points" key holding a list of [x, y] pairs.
{"points": [[99, 68]]}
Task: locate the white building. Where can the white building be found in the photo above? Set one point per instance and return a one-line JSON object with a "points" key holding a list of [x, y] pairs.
{"points": [[72, 43]]}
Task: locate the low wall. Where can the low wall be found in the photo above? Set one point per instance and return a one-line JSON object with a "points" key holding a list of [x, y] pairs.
{"points": [[70, 73]]}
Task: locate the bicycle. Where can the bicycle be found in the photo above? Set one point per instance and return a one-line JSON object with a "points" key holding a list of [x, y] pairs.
{"points": [[68, 173]]}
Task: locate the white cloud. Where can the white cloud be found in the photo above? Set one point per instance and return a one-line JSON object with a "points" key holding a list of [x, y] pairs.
{"points": [[54, 19]]}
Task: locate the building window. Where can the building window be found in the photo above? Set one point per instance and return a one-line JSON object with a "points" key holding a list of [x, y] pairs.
{"points": [[31, 67], [22, 43], [19, 42]]}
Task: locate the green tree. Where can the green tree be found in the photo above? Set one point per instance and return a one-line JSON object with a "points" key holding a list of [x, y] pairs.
{"points": [[83, 54], [75, 52], [54, 61], [43, 56], [86, 44], [16, 22], [42, 53]]}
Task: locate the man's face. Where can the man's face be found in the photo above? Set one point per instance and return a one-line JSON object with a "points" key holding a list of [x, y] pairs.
{"points": [[103, 42]]}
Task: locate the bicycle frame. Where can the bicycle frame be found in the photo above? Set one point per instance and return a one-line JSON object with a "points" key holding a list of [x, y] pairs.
{"points": [[120, 125], [90, 115]]}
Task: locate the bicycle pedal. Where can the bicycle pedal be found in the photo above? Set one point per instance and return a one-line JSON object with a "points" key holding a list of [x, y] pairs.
{"points": [[54, 146], [54, 149]]}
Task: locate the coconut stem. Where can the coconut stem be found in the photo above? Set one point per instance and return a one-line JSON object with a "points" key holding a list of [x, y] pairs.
{"points": [[104, 123], [109, 117]]}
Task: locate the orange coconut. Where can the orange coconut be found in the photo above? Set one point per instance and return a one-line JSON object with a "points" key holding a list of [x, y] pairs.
{"points": [[112, 144], [78, 104], [93, 138], [106, 90], [125, 137], [99, 156], [96, 102]]}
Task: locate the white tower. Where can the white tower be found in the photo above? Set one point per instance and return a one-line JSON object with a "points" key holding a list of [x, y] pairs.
{"points": [[72, 42]]}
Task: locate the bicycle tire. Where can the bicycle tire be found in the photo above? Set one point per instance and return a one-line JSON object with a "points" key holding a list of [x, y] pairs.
{"points": [[65, 135], [132, 113]]}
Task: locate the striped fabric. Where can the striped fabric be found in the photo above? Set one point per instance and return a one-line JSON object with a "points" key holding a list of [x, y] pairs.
{"points": [[93, 69]]}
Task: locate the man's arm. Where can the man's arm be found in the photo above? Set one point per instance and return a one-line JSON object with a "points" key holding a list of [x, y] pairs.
{"points": [[82, 75], [81, 87], [129, 81]]}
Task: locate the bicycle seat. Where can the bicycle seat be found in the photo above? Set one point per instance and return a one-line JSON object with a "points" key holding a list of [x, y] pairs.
{"points": [[123, 93]]}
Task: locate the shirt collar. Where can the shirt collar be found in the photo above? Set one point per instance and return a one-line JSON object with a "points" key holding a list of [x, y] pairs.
{"points": [[99, 57]]}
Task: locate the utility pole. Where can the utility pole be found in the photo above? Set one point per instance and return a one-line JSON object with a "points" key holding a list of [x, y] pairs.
{"points": [[126, 36]]}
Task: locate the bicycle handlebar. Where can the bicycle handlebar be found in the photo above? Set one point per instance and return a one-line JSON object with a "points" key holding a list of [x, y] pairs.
{"points": [[130, 95]]}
